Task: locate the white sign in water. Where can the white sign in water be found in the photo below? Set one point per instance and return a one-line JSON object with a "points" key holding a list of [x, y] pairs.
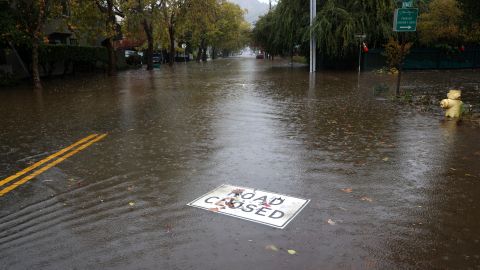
{"points": [[255, 205]]}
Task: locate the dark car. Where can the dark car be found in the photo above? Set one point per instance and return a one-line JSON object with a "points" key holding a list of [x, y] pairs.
{"points": [[260, 56]]}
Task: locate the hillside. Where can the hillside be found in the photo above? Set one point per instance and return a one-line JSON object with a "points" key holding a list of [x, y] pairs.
{"points": [[254, 7]]}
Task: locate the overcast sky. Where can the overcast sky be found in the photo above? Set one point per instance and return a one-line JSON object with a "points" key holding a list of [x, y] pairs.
{"points": [[266, 1]]}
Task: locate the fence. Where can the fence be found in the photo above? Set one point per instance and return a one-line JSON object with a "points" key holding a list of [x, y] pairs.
{"points": [[427, 59]]}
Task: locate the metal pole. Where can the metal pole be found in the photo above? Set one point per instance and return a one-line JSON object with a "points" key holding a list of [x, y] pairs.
{"points": [[359, 56], [313, 43]]}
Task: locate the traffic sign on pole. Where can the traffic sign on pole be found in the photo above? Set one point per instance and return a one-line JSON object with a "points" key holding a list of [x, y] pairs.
{"points": [[407, 4], [405, 20]]}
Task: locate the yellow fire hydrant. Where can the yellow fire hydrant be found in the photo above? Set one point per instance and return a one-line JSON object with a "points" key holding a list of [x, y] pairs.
{"points": [[453, 104]]}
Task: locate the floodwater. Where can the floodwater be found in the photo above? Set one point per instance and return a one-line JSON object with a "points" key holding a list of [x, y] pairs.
{"points": [[400, 187]]}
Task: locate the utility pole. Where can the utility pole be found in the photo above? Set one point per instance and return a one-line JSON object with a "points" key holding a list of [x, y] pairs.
{"points": [[313, 43], [270, 4]]}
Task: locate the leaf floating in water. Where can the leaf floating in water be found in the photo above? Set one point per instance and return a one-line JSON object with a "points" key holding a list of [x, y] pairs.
{"points": [[331, 222], [453, 169], [291, 252], [271, 247], [365, 198], [347, 190]]}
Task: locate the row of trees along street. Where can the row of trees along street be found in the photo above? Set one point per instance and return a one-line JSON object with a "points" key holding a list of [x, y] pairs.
{"points": [[161, 24], [447, 24]]}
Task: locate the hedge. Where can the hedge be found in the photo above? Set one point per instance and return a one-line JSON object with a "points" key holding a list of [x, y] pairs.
{"points": [[56, 53]]}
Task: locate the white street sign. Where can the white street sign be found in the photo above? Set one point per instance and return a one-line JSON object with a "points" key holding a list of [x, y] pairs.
{"points": [[271, 209]]}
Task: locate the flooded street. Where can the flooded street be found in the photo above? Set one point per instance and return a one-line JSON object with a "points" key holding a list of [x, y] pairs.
{"points": [[401, 188]]}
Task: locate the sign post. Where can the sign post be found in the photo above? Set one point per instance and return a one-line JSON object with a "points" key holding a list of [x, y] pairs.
{"points": [[313, 42], [404, 20]]}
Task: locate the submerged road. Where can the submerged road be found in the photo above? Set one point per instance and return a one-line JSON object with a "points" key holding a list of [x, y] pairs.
{"points": [[389, 187]]}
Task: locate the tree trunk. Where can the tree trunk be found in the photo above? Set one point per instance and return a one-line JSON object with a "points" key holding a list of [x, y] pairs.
{"points": [[171, 34], [199, 54], [148, 31], [36, 37], [112, 63], [111, 22], [214, 53], [400, 65], [204, 54], [204, 50], [37, 84]]}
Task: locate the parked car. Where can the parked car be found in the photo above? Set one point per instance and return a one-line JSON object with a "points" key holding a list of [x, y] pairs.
{"points": [[260, 56]]}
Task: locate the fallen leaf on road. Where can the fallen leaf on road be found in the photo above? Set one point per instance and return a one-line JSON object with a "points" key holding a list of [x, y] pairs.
{"points": [[291, 252], [347, 190], [453, 169], [331, 222], [131, 203], [366, 199], [215, 209], [385, 159], [271, 247]]}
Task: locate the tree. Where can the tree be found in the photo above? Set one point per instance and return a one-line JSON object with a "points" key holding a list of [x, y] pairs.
{"points": [[198, 24], [110, 10], [172, 10], [336, 24], [263, 34], [440, 23], [30, 19], [338, 21], [396, 53], [231, 31], [470, 20], [145, 12], [97, 19]]}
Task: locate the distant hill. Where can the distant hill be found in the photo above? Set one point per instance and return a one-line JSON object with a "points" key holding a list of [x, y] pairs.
{"points": [[254, 7]]}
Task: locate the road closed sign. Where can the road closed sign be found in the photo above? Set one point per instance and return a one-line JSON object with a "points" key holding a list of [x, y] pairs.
{"points": [[259, 206]]}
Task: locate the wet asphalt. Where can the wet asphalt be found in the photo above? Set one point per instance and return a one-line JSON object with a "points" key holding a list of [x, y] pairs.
{"points": [[401, 187]]}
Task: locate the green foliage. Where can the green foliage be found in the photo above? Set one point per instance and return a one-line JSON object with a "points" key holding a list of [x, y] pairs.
{"points": [[394, 52], [338, 21], [231, 31], [284, 28], [216, 23], [263, 34], [335, 26], [9, 29], [86, 21], [440, 23]]}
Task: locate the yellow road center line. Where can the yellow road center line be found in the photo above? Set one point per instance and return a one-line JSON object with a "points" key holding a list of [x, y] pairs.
{"points": [[39, 163], [48, 166]]}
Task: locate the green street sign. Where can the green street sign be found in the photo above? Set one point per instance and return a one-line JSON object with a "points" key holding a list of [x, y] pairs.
{"points": [[407, 4], [405, 20]]}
